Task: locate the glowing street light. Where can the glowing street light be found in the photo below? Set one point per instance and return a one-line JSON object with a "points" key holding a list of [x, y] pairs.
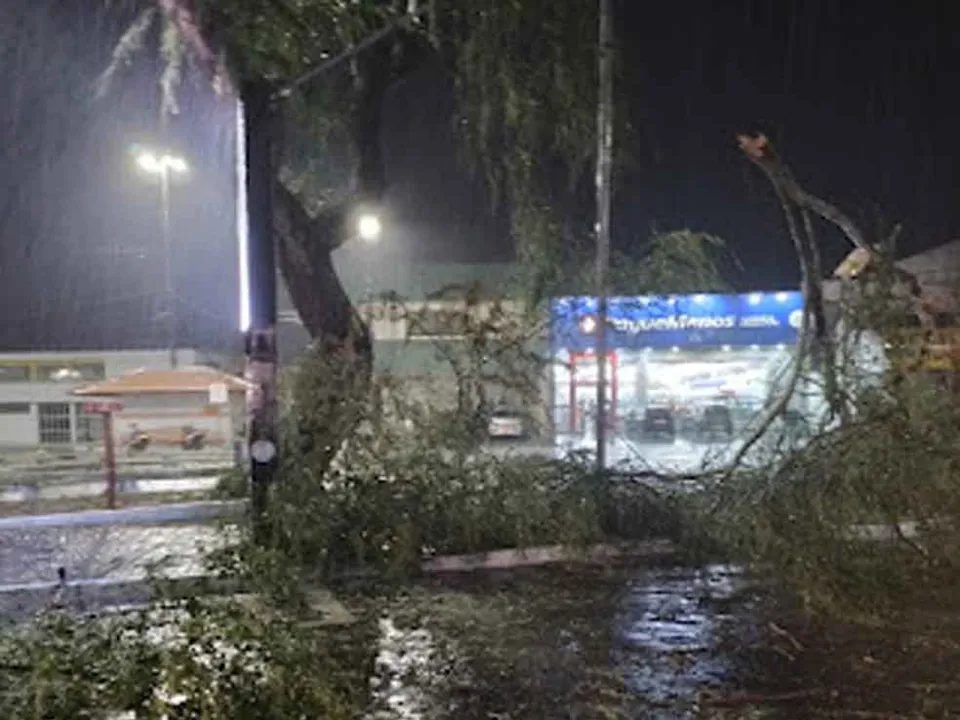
{"points": [[369, 228], [161, 164]]}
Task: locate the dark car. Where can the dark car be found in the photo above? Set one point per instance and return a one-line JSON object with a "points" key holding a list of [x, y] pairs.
{"points": [[633, 425], [716, 423], [659, 424]]}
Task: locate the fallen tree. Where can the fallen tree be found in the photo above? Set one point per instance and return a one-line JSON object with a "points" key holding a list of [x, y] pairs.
{"points": [[884, 451]]}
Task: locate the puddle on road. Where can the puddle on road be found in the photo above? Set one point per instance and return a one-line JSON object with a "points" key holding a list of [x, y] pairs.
{"points": [[652, 633], [667, 635]]}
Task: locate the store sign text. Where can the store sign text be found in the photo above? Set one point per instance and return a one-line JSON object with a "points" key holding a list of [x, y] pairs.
{"points": [[635, 326]]}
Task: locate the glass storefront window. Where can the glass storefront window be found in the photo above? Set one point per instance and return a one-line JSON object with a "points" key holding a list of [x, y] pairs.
{"points": [[89, 426], [688, 376], [14, 373]]}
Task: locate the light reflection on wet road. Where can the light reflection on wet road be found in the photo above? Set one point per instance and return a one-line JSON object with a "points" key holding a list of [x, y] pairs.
{"points": [[667, 633], [662, 640], [659, 625]]}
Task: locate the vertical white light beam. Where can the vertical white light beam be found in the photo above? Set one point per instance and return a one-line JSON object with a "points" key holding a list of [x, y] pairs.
{"points": [[243, 228]]}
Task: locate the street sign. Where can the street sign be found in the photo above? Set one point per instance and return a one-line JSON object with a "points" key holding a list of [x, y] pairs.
{"points": [[102, 408], [263, 451], [219, 394]]}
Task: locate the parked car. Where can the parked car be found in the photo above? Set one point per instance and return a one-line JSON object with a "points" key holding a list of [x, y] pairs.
{"points": [[506, 424], [633, 425], [716, 423], [659, 424]]}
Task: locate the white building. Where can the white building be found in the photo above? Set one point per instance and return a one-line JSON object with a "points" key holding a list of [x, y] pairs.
{"points": [[37, 405], [190, 408]]}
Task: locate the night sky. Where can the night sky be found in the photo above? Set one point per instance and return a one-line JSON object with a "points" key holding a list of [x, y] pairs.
{"points": [[860, 97]]}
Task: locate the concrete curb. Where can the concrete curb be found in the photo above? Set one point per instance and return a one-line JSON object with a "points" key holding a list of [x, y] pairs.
{"points": [[106, 594], [10, 478], [545, 555], [146, 515], [14, 494]]}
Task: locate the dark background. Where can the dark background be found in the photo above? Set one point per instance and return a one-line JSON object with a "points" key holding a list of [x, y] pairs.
{"points": [[860, 97]]}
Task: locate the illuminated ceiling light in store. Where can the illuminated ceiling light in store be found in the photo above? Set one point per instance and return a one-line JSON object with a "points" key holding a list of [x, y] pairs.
{"points": [[754, 347], [699, 299], [754, 298], [726, 348], [781, 346], [675, 349], [782, 297]]}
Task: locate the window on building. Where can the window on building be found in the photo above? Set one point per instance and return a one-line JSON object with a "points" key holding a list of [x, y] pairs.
{"points": [[71, 372], [14, 408], [437, 322], [14, 373], [89, 426], [54, 422]]}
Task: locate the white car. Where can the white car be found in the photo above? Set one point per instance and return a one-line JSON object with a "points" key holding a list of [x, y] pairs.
{"points": [[506, 425]]}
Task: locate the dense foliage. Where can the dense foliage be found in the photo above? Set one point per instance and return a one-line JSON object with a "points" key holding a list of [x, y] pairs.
{"points": [[230, 659]]}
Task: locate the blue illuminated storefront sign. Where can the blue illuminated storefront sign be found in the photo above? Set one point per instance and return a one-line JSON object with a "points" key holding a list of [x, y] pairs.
{"points": [[684, 321]]}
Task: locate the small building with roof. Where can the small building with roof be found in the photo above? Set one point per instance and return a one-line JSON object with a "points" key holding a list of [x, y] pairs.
{"points": [[190, 408], [38, 407]]}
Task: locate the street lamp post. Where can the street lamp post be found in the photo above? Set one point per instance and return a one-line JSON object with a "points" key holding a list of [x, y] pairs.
{"points": [[258, 285], [369, 229], [604, 171], [258, 305], [162, 166]]}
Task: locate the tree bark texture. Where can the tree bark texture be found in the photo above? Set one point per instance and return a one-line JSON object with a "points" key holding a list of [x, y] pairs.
{"points": [[330, 406]]}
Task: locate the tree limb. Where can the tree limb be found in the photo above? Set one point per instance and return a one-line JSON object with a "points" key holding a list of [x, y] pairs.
{"points": [[760, 151]]}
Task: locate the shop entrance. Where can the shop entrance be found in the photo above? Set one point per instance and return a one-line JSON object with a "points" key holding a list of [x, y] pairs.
{"points": [[583, 390]]}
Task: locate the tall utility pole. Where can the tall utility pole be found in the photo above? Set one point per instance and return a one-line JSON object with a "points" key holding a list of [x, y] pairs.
{"points": [[170, 295], [163, 165], [259, 281], [605, 54]]}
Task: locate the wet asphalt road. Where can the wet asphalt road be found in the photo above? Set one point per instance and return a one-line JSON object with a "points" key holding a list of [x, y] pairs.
{"points": [[33, 554], [108, 563]]}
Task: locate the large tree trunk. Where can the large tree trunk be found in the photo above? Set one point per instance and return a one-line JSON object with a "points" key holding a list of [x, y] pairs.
{"points": [[332, 392], [329, 399]]}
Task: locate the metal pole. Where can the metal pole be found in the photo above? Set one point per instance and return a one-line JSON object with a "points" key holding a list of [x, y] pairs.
{"points": [[605, 53], [110, 460], [261, 345], [170, 296]]}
